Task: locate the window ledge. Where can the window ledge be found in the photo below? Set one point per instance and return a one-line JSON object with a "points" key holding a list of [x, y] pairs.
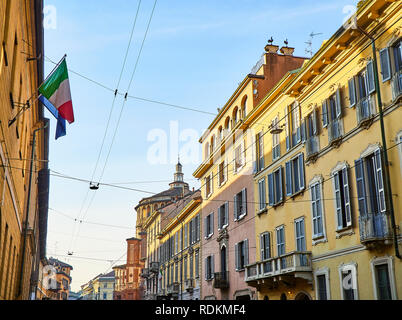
{"points": [[260, 212], [319, 239], [240, 217], [209, 236], [223, 183], [347, 231]]}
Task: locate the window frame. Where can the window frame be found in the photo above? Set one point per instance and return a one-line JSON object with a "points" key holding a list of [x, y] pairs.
{"points": [[322, 272], [352, 267], [389, 261]]}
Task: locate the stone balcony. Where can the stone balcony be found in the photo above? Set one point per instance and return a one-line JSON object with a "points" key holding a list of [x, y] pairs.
{"points": [[285, 268]]}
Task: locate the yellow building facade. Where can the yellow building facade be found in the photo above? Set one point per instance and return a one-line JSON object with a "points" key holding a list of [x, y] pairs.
{"points": [[24, 141], [180, 263], [323, 219]]}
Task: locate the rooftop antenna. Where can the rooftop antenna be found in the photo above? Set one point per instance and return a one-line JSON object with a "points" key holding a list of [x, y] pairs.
{"points": [[309, 49]]}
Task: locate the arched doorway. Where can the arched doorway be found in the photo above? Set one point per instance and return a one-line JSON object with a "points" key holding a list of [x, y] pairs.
{"points": [[302, 296], [283, 296]]}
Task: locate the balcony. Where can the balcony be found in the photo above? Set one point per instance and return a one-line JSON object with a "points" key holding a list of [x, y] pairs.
{"points": [[375, 228], [189, 285], [396, 85], [173, 288], [335, 131], [149, 295], [221, 280], [144, 273], [154, 267], [312, 146], [365, 109], [286, 267]]}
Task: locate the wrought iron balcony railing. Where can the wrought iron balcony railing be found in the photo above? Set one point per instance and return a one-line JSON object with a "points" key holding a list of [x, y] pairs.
{"points": [[173, 288], [221, 280], [189, 284], [154, 267], [365, 109], [335, 130], [374, 227], [297, 263], [144, 273], [396, 85]]}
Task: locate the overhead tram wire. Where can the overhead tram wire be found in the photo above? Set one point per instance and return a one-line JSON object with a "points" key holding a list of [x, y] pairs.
{"points": [[121, 110], [110, 115]]}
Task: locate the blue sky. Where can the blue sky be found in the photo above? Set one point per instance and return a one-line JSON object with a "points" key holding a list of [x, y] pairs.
{"points": [[195, 55]]}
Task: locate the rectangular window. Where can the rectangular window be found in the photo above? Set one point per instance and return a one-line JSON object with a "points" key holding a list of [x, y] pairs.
{"points": [[185, 235], [209, 225], [385, 64], [240, 205], [260, 151], [209, 267], [223, 216], [322, 287], [293, 125], [275, 187], [197, 265], [342, 199], [208, 185], [176, 272], [239, 157], [383, 282], [316, 205], [265, 246], [222, 172], [280, 240], [295, 175], [370, 184], [261, 195], [241, 252], [191, 266], [300, 235], [276, 148], [185, 268]]}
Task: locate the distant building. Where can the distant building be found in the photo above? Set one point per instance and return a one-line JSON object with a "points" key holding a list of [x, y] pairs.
{"points": [[74, 296], [99, 288], [63, 278]]}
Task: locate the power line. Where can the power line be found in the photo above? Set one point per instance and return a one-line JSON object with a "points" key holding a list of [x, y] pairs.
{"points": [[109, 117], [122, 109]]}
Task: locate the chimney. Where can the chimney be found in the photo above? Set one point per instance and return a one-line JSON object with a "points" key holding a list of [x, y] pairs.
{"points": [[271, 48]]}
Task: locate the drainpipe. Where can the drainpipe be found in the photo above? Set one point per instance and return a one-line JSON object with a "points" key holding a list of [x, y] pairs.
{"points": [[27, 210], [384, 142]]}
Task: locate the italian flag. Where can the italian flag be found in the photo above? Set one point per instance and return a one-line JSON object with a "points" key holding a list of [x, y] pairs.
{"points": [[56, 90]]}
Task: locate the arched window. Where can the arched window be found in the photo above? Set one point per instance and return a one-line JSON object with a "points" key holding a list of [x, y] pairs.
{"points": [[227, 125], [213, 143], [244, 107], [221, 136], [207, 150], [236, 117]]}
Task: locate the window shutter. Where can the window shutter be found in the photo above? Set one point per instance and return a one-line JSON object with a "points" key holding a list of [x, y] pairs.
{"points": [[235, 208], [212, 223], [227, 212], [287, 129], [301, 171], [212, 182], [288, 174], [338, 205], [206, 268], [324, 114], [347, 196], [303, 131], [212, 267], [361, 188], [244, 201], [262, 247], [271, 190], [352, 92], [254, 148], [220, 218], [380, 181], [237, 256], [385, 64], [205, 228], [338, 104], [370, 77], [315, 122], [199, 227], [280, 187], [245, 244], [268, 246]]}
